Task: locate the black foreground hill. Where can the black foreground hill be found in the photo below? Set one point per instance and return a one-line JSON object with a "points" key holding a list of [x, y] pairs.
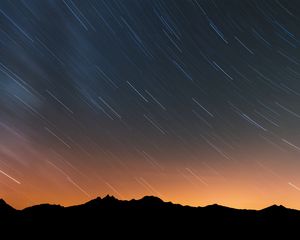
{"points": [[149, 215]]}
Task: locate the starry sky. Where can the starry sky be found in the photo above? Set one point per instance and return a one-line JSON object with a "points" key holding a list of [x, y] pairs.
{"points": [[196, 102]]}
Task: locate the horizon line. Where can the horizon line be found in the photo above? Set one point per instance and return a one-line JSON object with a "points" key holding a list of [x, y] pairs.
{"points": [[133, 199]]}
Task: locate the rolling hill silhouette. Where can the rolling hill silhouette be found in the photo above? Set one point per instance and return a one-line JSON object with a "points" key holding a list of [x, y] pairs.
{"points": [[150, 215]]}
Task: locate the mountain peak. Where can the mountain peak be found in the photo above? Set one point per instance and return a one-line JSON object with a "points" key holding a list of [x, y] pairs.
{"points": [[2, 202], [215, 205], [5, 206], [275, 207], [151, 199], [109, 198], [218, 207]]}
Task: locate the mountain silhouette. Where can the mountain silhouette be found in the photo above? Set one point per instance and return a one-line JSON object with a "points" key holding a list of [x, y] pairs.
{"points": [[5, 208], [150, 215]]}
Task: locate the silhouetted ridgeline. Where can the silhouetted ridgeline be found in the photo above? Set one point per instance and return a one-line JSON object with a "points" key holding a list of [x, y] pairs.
{"points": [[149, 215]]}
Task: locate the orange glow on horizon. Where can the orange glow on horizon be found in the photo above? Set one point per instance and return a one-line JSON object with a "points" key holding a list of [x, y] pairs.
{"points": [[248, 184]]}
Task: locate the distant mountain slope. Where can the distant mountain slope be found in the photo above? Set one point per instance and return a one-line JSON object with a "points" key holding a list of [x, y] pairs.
{"points": [[149, 214]]}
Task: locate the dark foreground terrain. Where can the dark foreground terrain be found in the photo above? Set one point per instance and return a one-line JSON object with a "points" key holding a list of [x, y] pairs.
{"points": [[147, 217]]}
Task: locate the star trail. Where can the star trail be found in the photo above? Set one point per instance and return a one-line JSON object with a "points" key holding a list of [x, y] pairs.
{"points": [[196, 102]]}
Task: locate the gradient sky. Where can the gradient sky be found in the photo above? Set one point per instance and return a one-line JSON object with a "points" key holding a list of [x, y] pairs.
{"points": [[196, 102]]}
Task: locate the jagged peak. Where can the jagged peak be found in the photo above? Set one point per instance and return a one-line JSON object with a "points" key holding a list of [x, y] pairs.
{"points": [[98, 200], [109, 197]]}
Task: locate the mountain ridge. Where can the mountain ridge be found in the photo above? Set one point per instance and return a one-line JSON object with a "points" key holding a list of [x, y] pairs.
{"points": [[111, 216], [147, 198]]}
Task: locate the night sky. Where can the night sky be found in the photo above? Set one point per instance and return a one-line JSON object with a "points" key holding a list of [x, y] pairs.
{"points": [[196, 102]]}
